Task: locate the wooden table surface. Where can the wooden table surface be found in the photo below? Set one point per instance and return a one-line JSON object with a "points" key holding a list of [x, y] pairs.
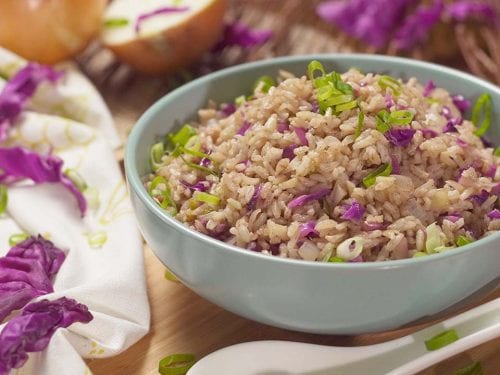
{"points": [[181, 320]]}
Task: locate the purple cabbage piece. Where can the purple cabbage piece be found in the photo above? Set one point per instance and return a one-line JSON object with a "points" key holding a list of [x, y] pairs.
{"points": [[288, 152], [416, 28], [32, 330], [238, 34], [205, 162], [18, 163], [429, 87], [461, 103], [466, 9], [25, 273], [307, 230], [494, 214], [480, 198], [252, 203], [450, 127], [396, 168], [282, 127], [303, 199], [315, 107], [429, 133], [228, 109], [201, 185], [353, 211], [244, 128], [462, 143], [19, 89], [446, 112], [371, 21], [491, 172], [453, 217], [163, 10], [301, 134], [389, 101], [496, 189], [400, 137], [369, 226]]}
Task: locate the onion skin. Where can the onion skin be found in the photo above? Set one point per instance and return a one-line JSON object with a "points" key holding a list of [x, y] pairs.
{"points": [[49, 31]]}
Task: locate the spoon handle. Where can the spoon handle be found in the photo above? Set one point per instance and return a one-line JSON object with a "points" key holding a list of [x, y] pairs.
{"points": [[405, 355]]}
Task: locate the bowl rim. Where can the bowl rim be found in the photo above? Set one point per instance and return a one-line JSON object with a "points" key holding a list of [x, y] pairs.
{"points": [[135, 181]]}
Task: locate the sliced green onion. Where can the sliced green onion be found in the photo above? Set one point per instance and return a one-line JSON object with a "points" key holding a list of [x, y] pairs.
{"points": [[170, 276], [207, 198], [195, 153], [76, 179], [359, 128], [166, 201], [383, 170], [4, 198], [116, 22], [314, 66], [338, 99], [419, 254], [193, 143], [265, 83], [240, 100], [181, 138], [434, 238], [335, 259], [17, 238], [432, 101], [400, 117], [382, 121], [91, 195], [482, 107], [389, 82], [97, 239], [443, 339], [155, 155], [474, 368], [497, 152], [344, 107], [176, 364], [199, 167], [463, 240]]}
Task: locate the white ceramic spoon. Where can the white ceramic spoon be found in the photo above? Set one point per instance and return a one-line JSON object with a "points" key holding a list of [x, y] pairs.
{"points": [[403, 356]]}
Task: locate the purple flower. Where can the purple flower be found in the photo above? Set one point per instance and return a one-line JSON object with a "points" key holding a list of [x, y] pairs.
{"points": [[353, 211], [244, 128], [479, 199], [307, 230], [288, 152], [303, 199], [25, 273], [164, 10], [429, 87], [461, 103], [494, 214], [255, 196], [467, 9], [238, 34], [400, 137], [416, 27], [19, 163], [32, 330]]}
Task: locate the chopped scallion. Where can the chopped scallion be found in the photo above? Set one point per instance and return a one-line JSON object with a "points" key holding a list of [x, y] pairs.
{"points": [[199, 167], [335, 259], [195, 153], [382, 121], [116, 22], [345, 106], [400, 117], [17, 238], [4, 197], [482, 108], [419, 254], [389, 82], [314, 66], [240, 100], [180, 138], [207, 198], [155, 155], [265, 83], [176, 364], [443, 339], [383, 170], [359, 128], [497, 152], [463, 240], [164, 195]]}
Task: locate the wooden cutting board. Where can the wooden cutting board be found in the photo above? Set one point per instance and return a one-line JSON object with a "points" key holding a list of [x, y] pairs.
{"points": [[182, 322]]}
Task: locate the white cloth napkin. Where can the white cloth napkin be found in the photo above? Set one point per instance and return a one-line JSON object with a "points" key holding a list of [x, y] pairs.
{"points": [[71, 119]]}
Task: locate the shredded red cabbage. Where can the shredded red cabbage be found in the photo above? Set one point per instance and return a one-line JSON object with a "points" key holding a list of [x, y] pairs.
{"points": [[303, 199], [446, 112], [201, 185], [453, 217], [164, 10], [32, 330], [205, 162], [228, 108], [429, 87], [244, 128], [400, 137], [492, 170], [301, 134], [494, 214], [282, 127], [288, 152], [308, 230], [496, 189], [238, 34], [466, 9], [252, 203], [462, 143], [429, 133], [274, 249], [19, 89], [461, 103], [18, 163], [315, 107], [479, 199], [396, 168], [416, 27], [389, 101], [450, 127], [25, 273], [354, 211]]}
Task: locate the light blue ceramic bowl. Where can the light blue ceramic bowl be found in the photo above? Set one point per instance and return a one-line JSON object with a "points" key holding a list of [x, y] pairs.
{"points": [[300, 295]]}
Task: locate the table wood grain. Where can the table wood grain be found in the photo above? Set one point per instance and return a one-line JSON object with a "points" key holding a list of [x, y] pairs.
{"points": [[181, 320]]}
